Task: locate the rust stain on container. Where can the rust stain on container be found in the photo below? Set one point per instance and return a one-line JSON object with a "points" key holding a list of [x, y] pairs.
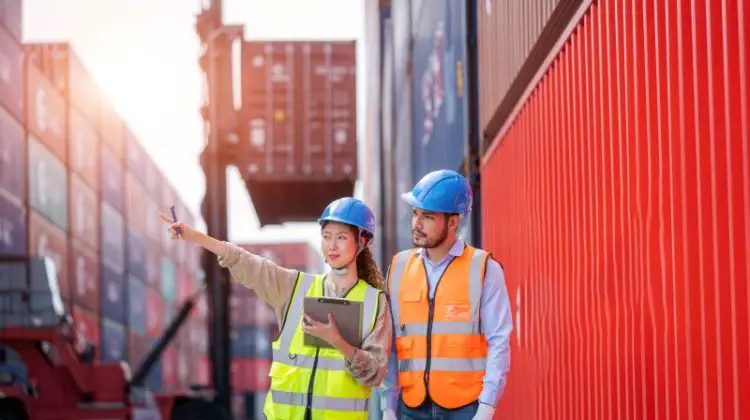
{"points": [[619, 204]]}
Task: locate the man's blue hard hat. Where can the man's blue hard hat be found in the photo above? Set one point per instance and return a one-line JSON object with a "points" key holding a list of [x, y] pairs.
{"points": [[350, 211], [442, 191]]}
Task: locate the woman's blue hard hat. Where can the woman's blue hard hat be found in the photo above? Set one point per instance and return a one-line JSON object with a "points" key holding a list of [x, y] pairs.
{"points": [[350, 211]]}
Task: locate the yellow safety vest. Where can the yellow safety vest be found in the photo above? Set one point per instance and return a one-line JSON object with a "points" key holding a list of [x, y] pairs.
{"points": [[305, 377]]}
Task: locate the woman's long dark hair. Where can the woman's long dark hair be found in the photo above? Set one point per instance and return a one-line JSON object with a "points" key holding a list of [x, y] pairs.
{"points": [[368, 270]]}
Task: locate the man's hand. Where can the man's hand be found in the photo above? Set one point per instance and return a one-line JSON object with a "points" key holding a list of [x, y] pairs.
{"points": [[484, 412]]}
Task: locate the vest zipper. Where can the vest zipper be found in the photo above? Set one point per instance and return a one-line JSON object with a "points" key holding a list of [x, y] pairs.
{"points": [[312, 382], [430, 319], [308, 409]]}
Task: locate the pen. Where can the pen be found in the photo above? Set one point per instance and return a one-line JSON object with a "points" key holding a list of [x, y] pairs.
{"points": [[174, 218]]}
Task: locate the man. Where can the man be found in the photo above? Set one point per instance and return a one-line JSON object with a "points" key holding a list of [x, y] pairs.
{"points": [[451, 313]]}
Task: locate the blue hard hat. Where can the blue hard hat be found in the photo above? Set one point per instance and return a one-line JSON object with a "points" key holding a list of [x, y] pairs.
{"points": [[442, 191], [350, 211]]}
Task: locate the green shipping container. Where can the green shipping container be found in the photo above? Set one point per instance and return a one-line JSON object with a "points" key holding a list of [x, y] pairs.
{"points": [[48, 186], [168, 279]]}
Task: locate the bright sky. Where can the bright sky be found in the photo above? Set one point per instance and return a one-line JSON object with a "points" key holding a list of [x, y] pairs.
{"points": [[144, 55]]}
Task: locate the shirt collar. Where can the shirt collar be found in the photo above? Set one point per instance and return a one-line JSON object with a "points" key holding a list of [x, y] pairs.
{"points": [[456, 250]]}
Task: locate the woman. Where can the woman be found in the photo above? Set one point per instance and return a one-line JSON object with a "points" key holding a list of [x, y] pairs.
{"points": [[310, 382]]}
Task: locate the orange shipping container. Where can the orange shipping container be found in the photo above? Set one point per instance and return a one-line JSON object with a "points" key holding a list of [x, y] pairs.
{"points": [[46, 113]]}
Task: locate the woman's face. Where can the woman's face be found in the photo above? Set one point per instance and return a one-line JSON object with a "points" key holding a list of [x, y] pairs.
{"points": [[339, 244]]}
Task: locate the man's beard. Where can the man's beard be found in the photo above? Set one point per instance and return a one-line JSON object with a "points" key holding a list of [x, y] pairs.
{"points": [[429, 243]]}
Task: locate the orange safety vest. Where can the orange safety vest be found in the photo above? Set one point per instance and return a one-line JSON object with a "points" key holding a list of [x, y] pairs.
{"points": [[441, 350]]}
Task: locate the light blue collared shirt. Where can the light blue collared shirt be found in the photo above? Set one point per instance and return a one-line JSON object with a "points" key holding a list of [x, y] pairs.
{"points": [[497, 325]]}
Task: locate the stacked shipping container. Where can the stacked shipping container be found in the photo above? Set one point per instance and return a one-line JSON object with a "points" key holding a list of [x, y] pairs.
{"points": [[76, 186], [255, 326], [423, 105]]}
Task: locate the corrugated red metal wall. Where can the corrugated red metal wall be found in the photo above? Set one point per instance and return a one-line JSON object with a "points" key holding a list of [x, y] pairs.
{"points": [[619, 204]]}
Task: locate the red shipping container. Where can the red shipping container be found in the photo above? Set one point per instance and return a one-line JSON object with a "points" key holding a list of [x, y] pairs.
{"points": [[83, 149], [86, 325], [46, 239], [201, 307], [185, 285], [84, 214], [203, 370], [256, 374], [62, 66], [169, 368], [46, 113], [184, 369], [237, 375], [617, 201], [138, 345], [84, 276], [135, 199], [153, 264], [193, 261], [198, 336], [154, 313], [112, 129]]}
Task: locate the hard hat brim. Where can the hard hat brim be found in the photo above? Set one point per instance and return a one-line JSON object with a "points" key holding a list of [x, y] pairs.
{"points": [[346, 222]]}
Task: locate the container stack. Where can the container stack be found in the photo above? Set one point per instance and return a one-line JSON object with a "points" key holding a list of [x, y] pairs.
{"points": [[77, 186], [13, 194], [254, 327]]}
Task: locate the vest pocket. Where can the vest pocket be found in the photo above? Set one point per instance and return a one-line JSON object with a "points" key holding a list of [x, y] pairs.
{"points": [[404, 347], [464, 341]]}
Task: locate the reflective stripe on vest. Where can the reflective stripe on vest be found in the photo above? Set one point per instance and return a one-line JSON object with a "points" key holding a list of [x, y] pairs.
{"points": [[457, 348], [321, 403], [294, 363]]}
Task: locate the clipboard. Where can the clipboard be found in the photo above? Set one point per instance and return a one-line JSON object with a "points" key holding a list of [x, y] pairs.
{"points": [[346, 313]]}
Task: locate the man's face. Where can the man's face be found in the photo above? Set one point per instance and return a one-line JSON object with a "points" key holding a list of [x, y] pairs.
{"points": [[428, 229]]}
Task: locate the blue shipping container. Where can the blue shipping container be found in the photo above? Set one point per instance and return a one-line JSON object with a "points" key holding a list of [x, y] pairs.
{"points": [[251, 342], [402, 118], [440, 108], [12, 156], [48, 184], [136, 305], [13, 227], [113, 340], [136, 254], [168, 312], [112, 180], [112, 239], [11, 12], [11, 80], [154, 378], [112, 295], [168, 279]]}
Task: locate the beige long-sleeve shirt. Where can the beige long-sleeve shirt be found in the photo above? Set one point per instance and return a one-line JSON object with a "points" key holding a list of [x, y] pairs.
{"points": [[275, 285]]}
